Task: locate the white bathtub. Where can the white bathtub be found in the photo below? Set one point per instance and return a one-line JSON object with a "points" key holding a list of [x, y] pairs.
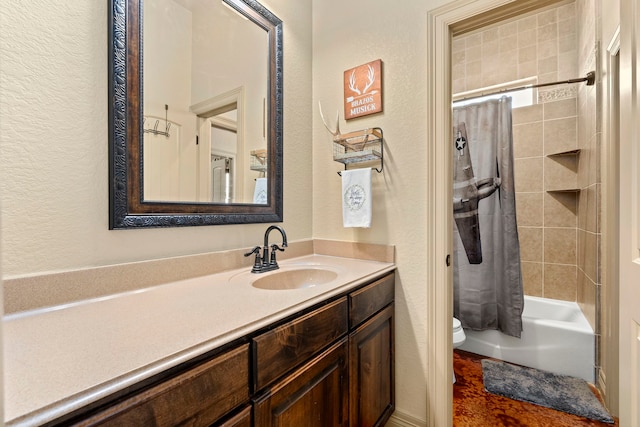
{"points": [[556, 337]]}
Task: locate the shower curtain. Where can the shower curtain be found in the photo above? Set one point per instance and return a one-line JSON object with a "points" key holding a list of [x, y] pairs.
{"points": [[487, 275]]}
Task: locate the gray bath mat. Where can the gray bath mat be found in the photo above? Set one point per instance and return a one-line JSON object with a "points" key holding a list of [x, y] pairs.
{"points": [[560, 392]]}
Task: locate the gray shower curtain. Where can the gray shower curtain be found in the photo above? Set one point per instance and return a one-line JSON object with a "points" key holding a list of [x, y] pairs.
{"points": [[487, 275]]}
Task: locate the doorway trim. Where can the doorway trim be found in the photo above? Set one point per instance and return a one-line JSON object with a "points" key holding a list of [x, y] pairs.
{"points": [[455, 17]]}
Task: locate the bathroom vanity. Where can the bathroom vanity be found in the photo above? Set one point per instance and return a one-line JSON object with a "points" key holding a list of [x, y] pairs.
{"points": [[319, 355]]}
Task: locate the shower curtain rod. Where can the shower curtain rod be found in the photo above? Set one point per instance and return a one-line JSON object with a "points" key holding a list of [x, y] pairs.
{"points": [[590, 79]]}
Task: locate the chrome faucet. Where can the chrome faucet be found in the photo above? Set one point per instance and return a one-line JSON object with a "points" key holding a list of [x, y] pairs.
{"points": [[266, 262]]}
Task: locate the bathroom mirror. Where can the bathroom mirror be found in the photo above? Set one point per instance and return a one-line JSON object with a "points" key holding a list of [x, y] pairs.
{"points": [[195, 119]]}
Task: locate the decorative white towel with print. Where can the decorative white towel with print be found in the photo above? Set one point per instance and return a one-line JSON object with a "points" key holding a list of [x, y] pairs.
{"points": [[260, 192], [356, 198]]}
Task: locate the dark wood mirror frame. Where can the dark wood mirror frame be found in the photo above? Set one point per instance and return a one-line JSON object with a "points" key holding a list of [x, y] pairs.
{"points": [[127, 208]]}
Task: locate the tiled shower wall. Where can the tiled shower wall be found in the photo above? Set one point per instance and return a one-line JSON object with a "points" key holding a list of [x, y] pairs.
{"points": [[557, 224], [589, 172]]}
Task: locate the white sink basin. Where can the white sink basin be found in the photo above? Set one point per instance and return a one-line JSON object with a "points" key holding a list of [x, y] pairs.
{"points": [[295, 279]]}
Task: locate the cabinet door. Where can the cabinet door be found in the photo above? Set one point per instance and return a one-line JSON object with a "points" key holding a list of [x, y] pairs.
{"points": [[316, 395], [371, 371]]}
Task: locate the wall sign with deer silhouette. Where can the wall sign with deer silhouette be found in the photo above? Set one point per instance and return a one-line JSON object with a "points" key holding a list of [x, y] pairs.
{"points": [[363, 90]]}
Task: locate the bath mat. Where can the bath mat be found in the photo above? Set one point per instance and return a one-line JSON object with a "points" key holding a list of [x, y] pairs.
{"points": [[560, 392]]}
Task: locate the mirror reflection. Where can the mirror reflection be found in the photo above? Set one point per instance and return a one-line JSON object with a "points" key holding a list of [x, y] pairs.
{"points": [[206, 74]]}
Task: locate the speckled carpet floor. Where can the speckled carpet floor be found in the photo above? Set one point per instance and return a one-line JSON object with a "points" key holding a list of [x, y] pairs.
{"points": [[473, 406]]}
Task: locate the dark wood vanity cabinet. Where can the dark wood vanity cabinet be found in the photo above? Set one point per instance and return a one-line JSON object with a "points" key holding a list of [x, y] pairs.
{"points": [[330, 365], [198, 397], [351, 383]]}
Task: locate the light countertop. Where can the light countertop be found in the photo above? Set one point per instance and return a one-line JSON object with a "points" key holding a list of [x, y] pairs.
{"points": [[62, 358]]}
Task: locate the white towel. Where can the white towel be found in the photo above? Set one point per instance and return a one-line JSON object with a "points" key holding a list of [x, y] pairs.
{"points": [[356, 198], [260, 192]]}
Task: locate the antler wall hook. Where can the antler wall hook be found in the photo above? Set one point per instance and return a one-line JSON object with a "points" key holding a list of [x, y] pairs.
{"points": [[335, 133]]}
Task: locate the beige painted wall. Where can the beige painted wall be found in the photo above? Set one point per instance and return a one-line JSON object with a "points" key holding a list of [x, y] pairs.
{"points": [[53, 147], [345, 35]]}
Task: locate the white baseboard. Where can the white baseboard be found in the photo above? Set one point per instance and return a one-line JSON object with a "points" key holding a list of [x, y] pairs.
{"points": [[400, 419]]}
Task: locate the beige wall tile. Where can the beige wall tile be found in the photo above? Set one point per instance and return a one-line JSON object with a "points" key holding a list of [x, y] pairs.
{"points": [[548, 65], [530, 243], [582, 248], [527, 38], [473, 54], [560, 173], [458, 71], [547, 17], [567, 11], [547, 49], [592, 195], [474, 40], [527, 140], [458, 58], [528, 174], [528, 23], [548, 78], [567, 44], [527, 69], [560, 109], [459, 85], [560, 135], [529, 208], [508, 43], [527, 54], [473, 69], [508, 65], [490, 48], [567, 27], [583, 167], [458, 44], [586, 298], [560, 210], [490, 35], [567, 66], [582, 210], [594, 164], [532, 113], [508, 29], [548, 32], [591, 256], [532, 278], [560, 282], [560, 245]]}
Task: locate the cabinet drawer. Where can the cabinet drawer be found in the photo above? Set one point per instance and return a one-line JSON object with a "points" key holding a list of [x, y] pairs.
{"points": [[283, 348], [198, 397], [241, 419], [370, 299]]}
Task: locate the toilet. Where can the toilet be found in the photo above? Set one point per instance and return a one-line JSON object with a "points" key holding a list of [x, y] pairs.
{"points": [[458, 337]]}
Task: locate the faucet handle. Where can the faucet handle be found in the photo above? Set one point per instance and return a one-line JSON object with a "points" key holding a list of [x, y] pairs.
{"points": [[272, 260], [275, 247], [255, 250], [257, 266]]}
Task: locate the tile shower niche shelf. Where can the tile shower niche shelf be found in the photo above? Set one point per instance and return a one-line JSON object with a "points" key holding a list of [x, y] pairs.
{"points": [[564, 190], [565, 153], [569, 153]]}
